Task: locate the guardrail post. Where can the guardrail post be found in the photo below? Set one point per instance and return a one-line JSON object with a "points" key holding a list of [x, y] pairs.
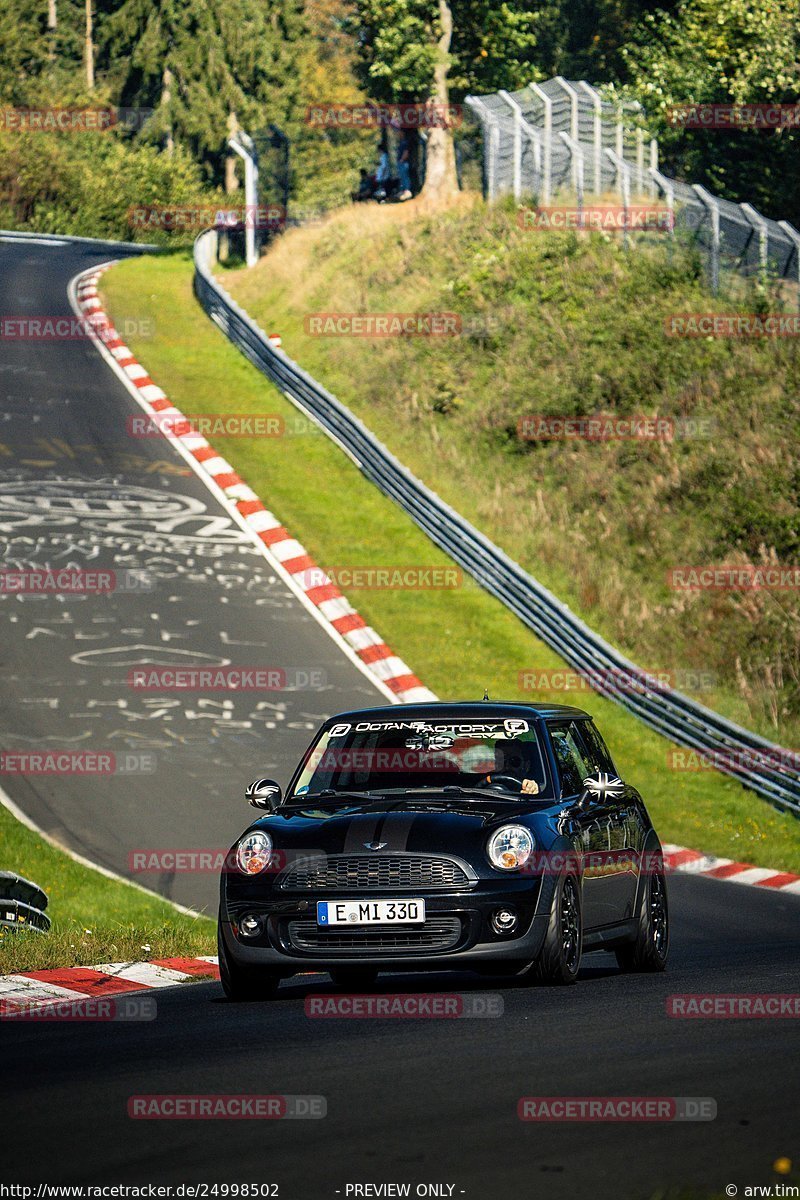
{"points": [[517, 168], [712, 205], [597, 134], [793, 237], [547, 165], [758, 221]]}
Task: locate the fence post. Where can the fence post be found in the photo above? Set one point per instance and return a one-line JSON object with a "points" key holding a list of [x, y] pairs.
{"points": [[547, 166], [576, 155], [623, 170], [517, 168], [793, 237], [489, 143], [242, 144], [597, 134], [712, 205], [654, 166], [661, 181], [756, 219], [573, 120]]}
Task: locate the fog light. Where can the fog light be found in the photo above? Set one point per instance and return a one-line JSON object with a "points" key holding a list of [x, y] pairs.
{"points": [[504, 920], [251, 926]]}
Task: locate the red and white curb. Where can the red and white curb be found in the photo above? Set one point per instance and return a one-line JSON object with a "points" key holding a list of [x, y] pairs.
{"points": [[693, 862], [392, 675], [38, 989]]}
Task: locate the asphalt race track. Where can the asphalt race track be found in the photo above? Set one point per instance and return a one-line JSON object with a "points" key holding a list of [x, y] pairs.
{"points": [[434, 1101], [77, 490], [408, 1101]]}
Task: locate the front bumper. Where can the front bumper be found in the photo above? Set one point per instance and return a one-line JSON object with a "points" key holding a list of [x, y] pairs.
{"points": [[457, 930]]}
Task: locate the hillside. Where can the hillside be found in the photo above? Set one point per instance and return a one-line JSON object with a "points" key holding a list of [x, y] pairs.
{"points": [[566, 326]]}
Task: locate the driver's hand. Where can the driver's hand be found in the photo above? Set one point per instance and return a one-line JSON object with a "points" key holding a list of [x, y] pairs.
{"points": [[530, 787]]}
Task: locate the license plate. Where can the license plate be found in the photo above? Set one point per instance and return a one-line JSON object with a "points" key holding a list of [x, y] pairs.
{"points": [[370, 912]]}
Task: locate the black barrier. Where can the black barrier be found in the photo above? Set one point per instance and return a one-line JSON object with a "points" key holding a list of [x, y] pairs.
{"points": [[22, 904]]}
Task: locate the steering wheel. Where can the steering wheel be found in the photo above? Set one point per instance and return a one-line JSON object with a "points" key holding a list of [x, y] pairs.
{"points": [[500, 783]]}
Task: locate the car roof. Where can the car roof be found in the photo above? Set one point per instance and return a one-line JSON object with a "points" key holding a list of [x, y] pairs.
{"points": [[467, 710]]}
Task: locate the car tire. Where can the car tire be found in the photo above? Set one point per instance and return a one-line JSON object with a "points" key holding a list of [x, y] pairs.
{"points": [[560, 957], [650, 949], [353, 978], [244, 983]]}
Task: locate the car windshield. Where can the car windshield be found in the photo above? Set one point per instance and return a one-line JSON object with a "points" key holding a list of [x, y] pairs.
{"points": [[502, 753]]}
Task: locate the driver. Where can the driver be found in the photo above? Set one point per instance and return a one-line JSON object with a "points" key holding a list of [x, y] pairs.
{"points": [[510, 760]]}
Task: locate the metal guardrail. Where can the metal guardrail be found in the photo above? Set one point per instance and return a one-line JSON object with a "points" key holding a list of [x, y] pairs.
{"points": [[679, 718]]}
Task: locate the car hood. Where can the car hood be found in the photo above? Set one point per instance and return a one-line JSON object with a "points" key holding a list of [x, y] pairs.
{"points": [[408, 824]]}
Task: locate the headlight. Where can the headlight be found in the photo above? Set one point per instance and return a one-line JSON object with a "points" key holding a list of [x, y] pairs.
{"points": [[510, 847], [253, 853]]}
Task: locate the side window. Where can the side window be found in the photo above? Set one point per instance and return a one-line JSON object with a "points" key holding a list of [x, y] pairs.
{"points": [[570, 756], [595, 749]]}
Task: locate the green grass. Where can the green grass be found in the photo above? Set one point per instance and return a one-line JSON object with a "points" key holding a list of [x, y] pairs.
{"points": [[458, 641], [95, 919], [575, 327]]}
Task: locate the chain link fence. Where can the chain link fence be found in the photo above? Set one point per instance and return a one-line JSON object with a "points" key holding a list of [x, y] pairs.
{"points": [[563, 138]]}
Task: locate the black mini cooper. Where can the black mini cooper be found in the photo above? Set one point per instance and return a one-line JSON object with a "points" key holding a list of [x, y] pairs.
{"points": [[491, 837]]}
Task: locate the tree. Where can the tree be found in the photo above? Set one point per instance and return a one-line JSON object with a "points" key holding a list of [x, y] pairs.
{"points": [[737, 53], [38, 57], [199, 64], [422, 51]]}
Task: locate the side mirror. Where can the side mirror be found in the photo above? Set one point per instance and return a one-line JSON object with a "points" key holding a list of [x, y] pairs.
{"points": [[264, 793], [601, 788]]}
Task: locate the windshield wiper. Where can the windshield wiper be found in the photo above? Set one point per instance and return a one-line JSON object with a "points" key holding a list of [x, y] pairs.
{"points": [[450, 789], [333, 794]]}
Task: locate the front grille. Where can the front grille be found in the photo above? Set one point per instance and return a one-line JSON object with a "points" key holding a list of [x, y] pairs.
{"points": [[373, 873], [438, 933]]}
